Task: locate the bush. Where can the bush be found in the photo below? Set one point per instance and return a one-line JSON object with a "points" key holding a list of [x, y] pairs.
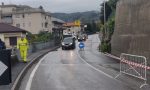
{"points": [[105, 47], [41, 37]]}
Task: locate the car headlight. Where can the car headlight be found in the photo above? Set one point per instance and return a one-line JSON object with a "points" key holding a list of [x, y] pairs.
{"points": [[70, 43], [62, 43]]}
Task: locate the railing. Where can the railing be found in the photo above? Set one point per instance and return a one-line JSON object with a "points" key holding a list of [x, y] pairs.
{"points": [[36, 46], [135, 66]]}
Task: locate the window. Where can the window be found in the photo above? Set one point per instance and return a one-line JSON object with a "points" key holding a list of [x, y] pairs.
{"points": [[18, 25], [13, 41], [46, 25]]}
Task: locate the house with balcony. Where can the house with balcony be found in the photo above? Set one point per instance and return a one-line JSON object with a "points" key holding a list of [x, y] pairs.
{"points": [[33, 20]]}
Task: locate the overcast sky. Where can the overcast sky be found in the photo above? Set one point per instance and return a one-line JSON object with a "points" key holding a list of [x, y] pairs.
{"points": [[67, 6]]}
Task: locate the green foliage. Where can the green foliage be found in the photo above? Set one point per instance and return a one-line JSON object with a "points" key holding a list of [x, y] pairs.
{"points": [[110, 24], [112, 4], [89, 27], [41, 37], [105, 47], [110, 27], [108, 12], [92, 27], [85, 17]]}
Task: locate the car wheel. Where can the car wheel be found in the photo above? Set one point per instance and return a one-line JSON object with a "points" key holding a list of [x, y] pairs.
{"points": [[63, 48], [74, 47]]}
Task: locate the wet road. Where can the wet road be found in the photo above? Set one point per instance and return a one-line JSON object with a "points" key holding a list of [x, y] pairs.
{"points": [[73, 70]]}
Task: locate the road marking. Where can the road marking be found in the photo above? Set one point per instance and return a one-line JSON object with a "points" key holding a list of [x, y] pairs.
{"points": [[94, 67], [28, 86], [3, 68]]}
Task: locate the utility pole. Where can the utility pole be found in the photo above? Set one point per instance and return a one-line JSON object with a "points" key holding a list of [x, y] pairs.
{"points": [[105, 19]]}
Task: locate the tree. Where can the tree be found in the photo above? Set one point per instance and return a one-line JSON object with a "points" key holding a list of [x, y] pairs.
{"points": [[108, 12], [89, 28], [41, 7], [112, 4], [110, 24]]}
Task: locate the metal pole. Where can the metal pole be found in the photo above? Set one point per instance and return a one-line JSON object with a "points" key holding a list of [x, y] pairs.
{"points": [[105, 18]]}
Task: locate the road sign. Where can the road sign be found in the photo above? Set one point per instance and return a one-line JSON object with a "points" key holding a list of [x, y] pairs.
{"points": [[3, 68], [81, 45]]}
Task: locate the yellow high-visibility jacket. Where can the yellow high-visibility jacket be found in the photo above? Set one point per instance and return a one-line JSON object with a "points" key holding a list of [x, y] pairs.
{"points": [[22, 44]]}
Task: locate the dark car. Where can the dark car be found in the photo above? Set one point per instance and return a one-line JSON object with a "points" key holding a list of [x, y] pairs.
{"points": [[81, 38], [85, 35], [68, 43]]}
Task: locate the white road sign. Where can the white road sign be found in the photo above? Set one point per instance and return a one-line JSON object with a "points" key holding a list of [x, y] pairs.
{"points": [[3, 68]]}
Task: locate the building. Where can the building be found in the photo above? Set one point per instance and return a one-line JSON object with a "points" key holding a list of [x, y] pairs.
{"points": [[71, 28], [57, 23], [57, 27], [6, 12], [10, 34], [31, 19]]}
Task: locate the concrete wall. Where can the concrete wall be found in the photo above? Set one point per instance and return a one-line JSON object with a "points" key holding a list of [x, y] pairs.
{"points": [[132, 29], [2, 37]]}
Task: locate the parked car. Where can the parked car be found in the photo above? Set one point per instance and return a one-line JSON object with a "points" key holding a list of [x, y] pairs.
{"points": [[68, 43]]}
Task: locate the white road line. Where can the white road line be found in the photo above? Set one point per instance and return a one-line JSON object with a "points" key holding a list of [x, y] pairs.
{"points": [[28, 86], [94, 67]]}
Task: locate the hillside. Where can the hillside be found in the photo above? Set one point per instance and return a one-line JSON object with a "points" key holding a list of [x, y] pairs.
{"points": [[85, 17]]}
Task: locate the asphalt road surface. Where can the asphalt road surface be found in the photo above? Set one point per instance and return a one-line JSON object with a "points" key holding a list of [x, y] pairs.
{"points": [[73, 70]]}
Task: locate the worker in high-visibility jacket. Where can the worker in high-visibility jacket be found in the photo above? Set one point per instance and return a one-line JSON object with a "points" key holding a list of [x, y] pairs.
{"points": [[22, 45]]}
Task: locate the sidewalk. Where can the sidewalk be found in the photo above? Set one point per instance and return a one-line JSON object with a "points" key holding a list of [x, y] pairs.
{"points": [[18, 67]]}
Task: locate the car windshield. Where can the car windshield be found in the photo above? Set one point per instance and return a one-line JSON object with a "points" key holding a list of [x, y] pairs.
{"points": [[67, 40]]}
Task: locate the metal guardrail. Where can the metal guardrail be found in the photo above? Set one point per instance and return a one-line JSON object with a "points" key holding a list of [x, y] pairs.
{"points": [[134, 65], [36, 46]]}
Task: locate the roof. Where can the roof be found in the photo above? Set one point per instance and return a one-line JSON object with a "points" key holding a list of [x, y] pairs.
{"points": [[5, 28], [57, 20], [28, 10], [10, 5]]}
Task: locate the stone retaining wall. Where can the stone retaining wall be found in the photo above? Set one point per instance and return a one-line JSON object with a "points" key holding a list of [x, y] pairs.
{"points": [[132, 29]]}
